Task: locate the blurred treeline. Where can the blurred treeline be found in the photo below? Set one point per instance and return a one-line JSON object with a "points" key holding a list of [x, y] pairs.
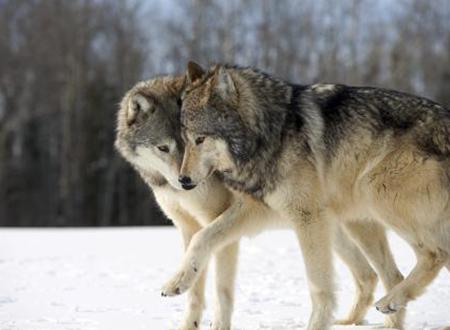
{"points": [[64, 65]]}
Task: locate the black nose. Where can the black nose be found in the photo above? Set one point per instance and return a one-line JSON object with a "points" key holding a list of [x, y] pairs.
{"points": [[184, 180]]}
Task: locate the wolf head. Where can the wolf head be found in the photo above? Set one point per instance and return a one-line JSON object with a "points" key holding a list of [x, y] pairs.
{"points": [[148, 129], [215, 133]]}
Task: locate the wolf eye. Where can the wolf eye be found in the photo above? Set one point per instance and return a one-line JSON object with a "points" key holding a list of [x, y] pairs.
{"points": [[163, 148], [199, 140]]}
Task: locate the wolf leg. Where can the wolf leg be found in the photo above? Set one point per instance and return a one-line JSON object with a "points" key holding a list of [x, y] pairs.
{"points": [[226, 264], [196, 295], [227, 228], [364, 276], [314, 236], [428, 265], [371, 238], [195, 304]]}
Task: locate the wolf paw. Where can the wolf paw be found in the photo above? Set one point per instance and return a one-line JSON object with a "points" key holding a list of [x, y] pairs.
{"points": [[389, 305], [218, 326], [181, 282], [191, 319], [395, 321], [191, 325], [348, 321]]}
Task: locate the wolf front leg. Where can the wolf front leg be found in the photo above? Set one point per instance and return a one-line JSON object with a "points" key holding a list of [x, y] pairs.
{"points": [[227, 228], [226, 264], [196, 295], [314, 235]]}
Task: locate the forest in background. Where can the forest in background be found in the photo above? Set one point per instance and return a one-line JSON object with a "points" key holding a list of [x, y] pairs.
{"points": [[65, 64]]}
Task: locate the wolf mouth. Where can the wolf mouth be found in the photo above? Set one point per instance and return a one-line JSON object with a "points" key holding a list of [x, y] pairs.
{"points": [[188, 186]]}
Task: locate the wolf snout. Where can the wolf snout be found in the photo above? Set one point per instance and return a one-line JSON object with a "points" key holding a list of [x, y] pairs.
{"points": [[186, 182]]}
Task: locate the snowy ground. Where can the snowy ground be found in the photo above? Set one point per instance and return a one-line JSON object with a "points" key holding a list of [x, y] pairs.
{"points": [[109, 279]]}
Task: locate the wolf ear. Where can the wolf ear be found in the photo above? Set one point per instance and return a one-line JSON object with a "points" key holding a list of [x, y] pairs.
{"points": [[194, 72], [177, 84], [138, 104], [225, 84]]}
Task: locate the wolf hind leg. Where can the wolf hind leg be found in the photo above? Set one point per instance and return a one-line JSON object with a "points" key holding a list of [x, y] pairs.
{"points": [[428, 265], [371, 239], [226, 264], [365, 278]]}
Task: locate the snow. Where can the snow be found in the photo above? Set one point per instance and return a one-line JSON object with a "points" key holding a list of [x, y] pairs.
{"points": [[109, 279]]}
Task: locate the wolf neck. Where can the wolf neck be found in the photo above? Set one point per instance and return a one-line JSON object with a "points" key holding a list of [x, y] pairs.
{"points": [[269, 108], [153, 179]]}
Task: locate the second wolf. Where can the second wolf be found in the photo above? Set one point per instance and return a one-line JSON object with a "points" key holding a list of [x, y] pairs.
{"points": [[324, 152], [149, 137]]}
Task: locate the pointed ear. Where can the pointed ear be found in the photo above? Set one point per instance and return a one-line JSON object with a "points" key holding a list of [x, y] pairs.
{"points": [[138, 104], [194, 72], [225, 84], [177, 84]]}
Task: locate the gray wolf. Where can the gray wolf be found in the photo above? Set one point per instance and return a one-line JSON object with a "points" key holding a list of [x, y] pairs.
{"points": [[322, 154], [149, 137]]}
